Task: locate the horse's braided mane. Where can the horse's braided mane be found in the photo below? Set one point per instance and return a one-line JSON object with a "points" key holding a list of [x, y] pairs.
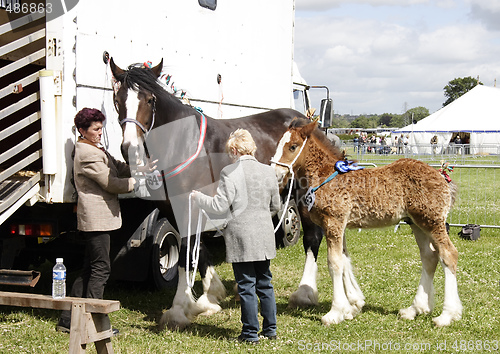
{"points": [[320, 137]]}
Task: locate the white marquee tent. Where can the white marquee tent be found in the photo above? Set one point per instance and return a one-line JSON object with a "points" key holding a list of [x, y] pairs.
{"points": [[476, 113]]}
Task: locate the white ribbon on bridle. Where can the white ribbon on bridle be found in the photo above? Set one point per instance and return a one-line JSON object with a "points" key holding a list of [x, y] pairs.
{"points": [[290, 168]]}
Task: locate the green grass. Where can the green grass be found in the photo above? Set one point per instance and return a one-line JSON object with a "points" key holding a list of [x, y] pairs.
{"points": [[386, 264], [387, 267]]}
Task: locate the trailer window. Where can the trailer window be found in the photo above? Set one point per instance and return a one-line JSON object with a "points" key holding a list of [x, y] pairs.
{"points": [[299, 101], [209, 4]]}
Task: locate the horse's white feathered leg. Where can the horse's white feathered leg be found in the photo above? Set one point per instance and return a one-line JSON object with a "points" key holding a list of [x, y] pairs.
{"points": [[307, 293], [352, 289], [341, 308], [452, 307], [213, 292], [424, 298], [184, 307]]}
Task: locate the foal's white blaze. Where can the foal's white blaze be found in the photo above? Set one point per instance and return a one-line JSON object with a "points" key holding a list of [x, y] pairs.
{"points": [[281, 171]]}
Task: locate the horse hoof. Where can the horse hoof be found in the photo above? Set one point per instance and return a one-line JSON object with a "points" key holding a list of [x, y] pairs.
{"points": [[208, 305], [358, 305], [445, 319], [408, 313], [305, 296], [333, 317], [174, 319]]}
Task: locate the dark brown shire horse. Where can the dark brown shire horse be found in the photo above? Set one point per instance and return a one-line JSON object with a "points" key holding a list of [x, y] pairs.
{"points": [[189, 147], [406, 189]]}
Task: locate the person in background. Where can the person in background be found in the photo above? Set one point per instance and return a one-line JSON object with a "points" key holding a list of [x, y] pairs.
{"points": [[248, 194], [99, 178]]}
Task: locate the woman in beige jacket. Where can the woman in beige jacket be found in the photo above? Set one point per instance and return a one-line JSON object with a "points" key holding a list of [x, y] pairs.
{"points": [[99, 178]]}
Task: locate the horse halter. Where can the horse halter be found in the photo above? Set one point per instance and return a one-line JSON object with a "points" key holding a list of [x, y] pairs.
{"points": [[290, 168], [139, 124], [290, 165]]}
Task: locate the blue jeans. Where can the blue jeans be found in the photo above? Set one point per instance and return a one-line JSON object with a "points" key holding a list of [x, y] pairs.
{"points": [[254, 279]]}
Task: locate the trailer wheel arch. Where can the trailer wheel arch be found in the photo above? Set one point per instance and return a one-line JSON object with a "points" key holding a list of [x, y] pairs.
{"points": [[165, 255]]}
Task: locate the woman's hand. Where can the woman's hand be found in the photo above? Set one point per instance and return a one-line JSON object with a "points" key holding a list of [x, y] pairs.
{"points": [[149, 167]]}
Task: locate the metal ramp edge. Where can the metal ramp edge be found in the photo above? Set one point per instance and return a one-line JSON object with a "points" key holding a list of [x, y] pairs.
{"points": [[15, 192]]}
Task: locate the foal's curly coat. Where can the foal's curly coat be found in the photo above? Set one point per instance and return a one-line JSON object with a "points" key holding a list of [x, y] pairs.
{"points": [[407, 190]]}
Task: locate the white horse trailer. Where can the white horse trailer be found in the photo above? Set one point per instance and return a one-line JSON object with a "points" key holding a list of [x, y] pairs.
{"points": [[230, 58]]}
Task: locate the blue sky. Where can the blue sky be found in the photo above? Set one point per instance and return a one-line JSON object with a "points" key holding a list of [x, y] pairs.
{"points": [[380, 56]]}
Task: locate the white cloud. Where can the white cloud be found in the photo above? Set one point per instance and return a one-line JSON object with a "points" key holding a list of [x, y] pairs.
{"points": [[375, 65]]}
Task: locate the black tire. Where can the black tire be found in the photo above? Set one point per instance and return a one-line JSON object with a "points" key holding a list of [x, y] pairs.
{"points": [[165, 255]]}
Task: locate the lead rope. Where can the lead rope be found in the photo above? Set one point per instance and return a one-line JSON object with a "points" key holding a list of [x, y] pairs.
{"points": [[290, 168], [196, 248]]}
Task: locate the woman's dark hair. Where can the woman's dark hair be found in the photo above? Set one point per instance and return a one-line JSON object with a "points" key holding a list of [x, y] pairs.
{"points": [[86, 116]]}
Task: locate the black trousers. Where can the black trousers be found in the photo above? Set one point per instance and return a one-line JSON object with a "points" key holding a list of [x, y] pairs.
{"points": [[96, 269]]}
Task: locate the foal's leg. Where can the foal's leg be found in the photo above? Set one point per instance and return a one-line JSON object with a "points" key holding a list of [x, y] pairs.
{"points": [[213, 289], [341, 308], [424, 299], [446, 252], [452, 306], [307, 293]]}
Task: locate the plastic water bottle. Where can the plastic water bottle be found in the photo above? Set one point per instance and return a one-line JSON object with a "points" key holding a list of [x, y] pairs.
{"points": [[59, 280]]}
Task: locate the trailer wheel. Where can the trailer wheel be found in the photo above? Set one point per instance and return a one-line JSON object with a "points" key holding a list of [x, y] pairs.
{"points": [[291, 225], [165, 256]]}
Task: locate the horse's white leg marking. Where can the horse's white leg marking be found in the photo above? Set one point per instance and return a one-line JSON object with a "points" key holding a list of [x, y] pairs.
{"points": [[281, 171], [307, 293], [184, 308], [452, 307], [341, 309], [424, 298], [352, 289], [213, 292]]}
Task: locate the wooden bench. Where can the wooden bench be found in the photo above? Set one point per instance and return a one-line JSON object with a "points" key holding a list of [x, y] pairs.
{"points": [[89, 317]]}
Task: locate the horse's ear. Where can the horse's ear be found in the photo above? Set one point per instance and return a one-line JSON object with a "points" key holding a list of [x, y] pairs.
{"points": [[118, 73], [307, 130], [158, 68]]}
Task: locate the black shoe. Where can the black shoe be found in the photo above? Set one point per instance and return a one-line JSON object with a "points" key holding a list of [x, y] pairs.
{"points": [[115, 332], [242, 339], [63, 326]]}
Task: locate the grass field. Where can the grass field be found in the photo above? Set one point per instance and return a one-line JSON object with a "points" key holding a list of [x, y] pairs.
{"points": [[387, 266]]}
